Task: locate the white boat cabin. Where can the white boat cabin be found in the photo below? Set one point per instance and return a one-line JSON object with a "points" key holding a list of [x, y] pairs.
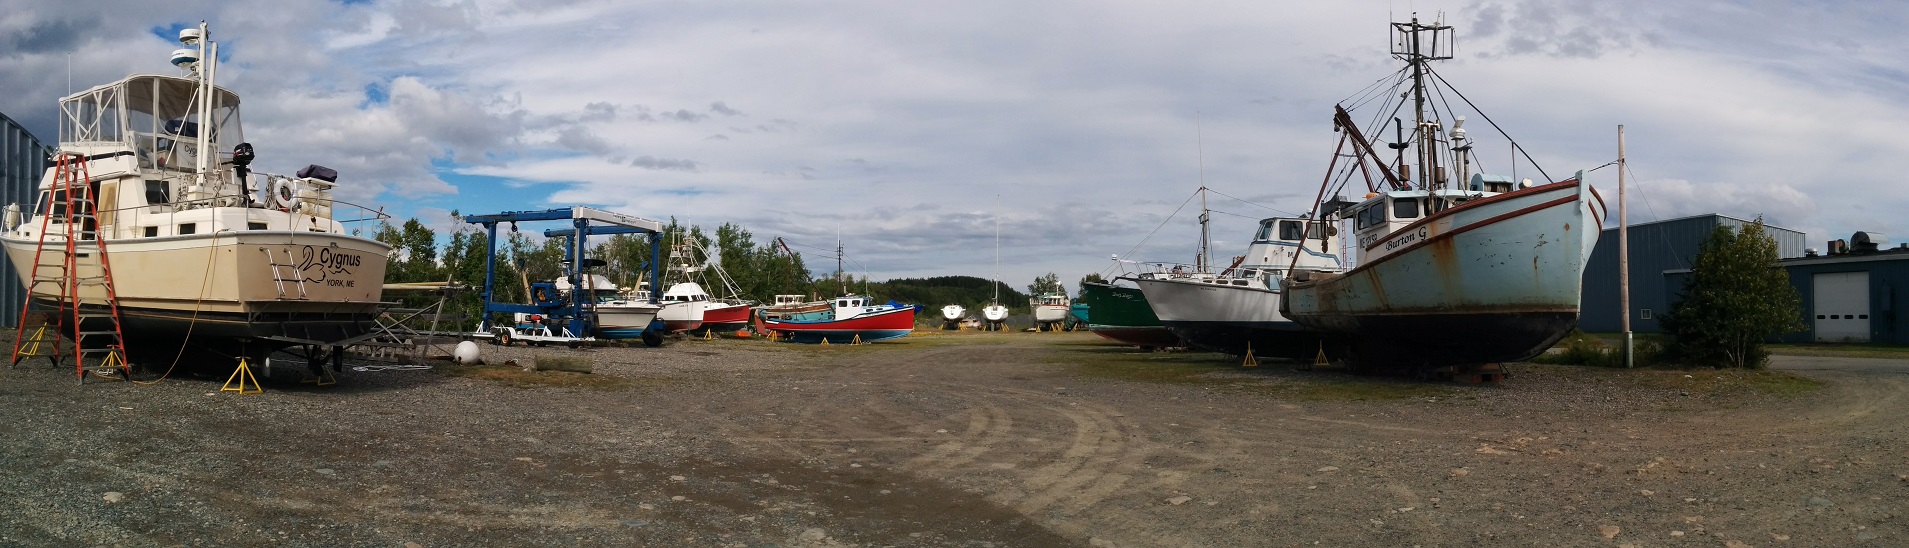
{"points": [[686, 292], [163, 161], [1280, 239], [1382, 214]]}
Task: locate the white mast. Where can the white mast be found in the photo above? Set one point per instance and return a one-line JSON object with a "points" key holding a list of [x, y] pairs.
{"points": [[1206, 238], [997, 251], [205, 74]]}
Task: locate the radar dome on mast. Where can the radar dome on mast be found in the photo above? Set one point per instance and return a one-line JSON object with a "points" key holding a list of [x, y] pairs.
{"points": [[185, 58]]}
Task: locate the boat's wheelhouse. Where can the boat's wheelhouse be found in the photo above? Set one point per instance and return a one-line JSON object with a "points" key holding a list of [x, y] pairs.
{"points": [[1283, 243], [1378, 220], [161, 160]]}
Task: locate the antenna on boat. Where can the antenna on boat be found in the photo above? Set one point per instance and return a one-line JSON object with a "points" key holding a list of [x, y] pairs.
{"points": [[1412, 47], [1199, 152]]}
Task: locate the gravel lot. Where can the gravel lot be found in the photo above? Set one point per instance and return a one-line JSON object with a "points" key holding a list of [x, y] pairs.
{"points": [[1005, 439]]}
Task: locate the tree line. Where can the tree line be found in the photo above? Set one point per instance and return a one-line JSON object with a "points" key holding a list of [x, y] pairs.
{"points": [[754, 271]]}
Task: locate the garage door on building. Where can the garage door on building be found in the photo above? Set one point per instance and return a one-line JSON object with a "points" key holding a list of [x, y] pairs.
{"points": [[1842, 307]]}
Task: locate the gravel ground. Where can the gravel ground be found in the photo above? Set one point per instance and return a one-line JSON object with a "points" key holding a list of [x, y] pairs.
{"points": [[1008, 439]]}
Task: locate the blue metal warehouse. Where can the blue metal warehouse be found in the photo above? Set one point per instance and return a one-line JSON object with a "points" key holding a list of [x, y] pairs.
{"points": [[22, 163], [1851, 296], [1655, 247]]}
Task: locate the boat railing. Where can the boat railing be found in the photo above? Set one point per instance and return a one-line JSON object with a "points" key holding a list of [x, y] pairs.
{"points": [[360, 218], [1171, 271]]}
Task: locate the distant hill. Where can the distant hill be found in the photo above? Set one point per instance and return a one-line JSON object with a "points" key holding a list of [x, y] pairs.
{"points": [[967, 291]]}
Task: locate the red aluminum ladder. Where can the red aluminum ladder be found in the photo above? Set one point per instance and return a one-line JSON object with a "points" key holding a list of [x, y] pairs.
{"points": [[65, 276]]}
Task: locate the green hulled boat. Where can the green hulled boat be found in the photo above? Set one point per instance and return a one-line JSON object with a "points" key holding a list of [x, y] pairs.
{"points": [[1121, 314]]}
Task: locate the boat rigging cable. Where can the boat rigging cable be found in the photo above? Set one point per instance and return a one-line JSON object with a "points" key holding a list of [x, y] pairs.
{"points": [[1156, 230], [211, 251], [1494, 125]]}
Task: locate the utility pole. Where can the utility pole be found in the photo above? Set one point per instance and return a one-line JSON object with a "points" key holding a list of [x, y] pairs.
{"points": [[1623, 251]]}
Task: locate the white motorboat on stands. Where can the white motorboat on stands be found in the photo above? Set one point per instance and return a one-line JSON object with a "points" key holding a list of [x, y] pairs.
{"points": [[207, 256]]}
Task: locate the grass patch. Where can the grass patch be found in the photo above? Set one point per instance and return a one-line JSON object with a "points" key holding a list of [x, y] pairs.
{"points": [[1843, 350], [518, 377], [1782, 384]]}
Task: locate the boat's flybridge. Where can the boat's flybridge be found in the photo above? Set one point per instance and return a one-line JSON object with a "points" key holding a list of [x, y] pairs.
{"points": [[1272, 253], [142, 138], [1386, 212]]}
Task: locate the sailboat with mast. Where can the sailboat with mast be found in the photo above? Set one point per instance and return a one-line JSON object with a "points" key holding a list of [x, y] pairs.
{"points": [[996, 314], [1455, 268]]}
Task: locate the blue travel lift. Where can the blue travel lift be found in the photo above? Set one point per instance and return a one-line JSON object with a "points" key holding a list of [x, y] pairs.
{"points": [[563, 319]]}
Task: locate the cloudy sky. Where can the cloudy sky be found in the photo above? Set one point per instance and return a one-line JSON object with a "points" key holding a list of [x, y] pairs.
{"points": [[910, 128]]}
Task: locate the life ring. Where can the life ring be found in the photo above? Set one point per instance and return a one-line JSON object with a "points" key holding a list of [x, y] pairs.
{"points": [[285, 193]]}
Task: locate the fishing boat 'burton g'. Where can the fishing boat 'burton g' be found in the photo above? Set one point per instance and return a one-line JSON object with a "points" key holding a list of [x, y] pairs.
{"points": [[1453, 270]]}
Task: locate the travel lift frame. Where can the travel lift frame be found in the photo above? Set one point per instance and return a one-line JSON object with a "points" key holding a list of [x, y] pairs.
{"points": [[573, 313]]}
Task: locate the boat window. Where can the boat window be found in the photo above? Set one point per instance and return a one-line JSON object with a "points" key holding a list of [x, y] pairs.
{"points": [[1405, 208], [1318, 231], [255, 226], [152, 232], [1371, 216], [1290, 230], [188, 228], [157, 192], [1265, 231]]}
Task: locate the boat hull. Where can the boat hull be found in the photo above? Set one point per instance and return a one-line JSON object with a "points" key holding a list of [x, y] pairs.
{"points": [[870, 327], [624, 321], [1231, 319], [221, 291], [1047, 313], [1495, 280], [680, 317], [724, 317], [1123, 315]]}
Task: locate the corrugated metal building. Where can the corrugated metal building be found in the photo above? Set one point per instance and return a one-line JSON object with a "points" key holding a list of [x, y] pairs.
{"points": [[1655, 247], [1847, 296], [23, 160], [1852, 297]]}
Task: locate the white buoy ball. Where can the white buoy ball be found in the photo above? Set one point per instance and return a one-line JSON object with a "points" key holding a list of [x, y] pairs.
{"points": [[465, 353]]}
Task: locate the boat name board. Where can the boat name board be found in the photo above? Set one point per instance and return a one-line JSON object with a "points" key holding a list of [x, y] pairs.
{"points": [[320, 264], [1403, 240]]}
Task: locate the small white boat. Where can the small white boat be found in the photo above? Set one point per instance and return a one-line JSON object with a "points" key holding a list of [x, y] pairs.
{"points": [[1050, 310], [617, 317], [684, 305]]}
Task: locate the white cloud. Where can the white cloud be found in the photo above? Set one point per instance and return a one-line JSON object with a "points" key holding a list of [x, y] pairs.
{"points": [[898, 124]]}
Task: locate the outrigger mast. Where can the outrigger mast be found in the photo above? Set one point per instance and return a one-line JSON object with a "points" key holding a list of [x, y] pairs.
{"points": [[1410, 46]]}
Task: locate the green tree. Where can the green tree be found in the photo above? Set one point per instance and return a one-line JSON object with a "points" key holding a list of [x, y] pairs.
{"points": [[1092, 277], [1735, 300], [415, 247], [1047, 284]]}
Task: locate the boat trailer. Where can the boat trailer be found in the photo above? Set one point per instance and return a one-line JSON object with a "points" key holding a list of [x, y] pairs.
{"points": [[556, 317]]}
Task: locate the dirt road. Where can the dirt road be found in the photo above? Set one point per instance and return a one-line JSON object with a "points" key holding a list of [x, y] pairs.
{"points": [[958, 440]]}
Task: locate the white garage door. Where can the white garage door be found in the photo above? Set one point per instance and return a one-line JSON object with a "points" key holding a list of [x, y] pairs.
{"points": [[1842, 307]]}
